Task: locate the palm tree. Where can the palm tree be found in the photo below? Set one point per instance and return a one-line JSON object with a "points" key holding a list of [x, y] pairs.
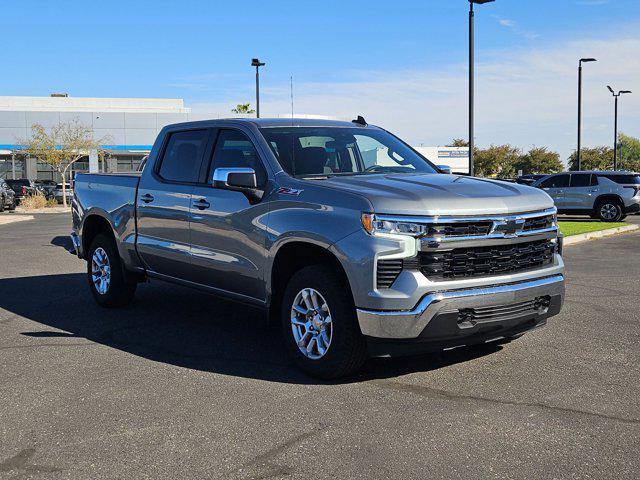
{"points": [[243, 108]]}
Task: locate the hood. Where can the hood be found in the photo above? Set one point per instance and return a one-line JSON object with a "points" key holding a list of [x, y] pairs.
{"points": [[438, 194]]}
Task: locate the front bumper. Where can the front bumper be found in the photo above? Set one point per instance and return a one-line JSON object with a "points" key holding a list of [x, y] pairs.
{"points": [[450, 317]]}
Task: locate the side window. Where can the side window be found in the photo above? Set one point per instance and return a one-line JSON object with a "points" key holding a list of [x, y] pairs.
{"points": [[558, 181], [234, 149], [183, 155], [580, 179]]}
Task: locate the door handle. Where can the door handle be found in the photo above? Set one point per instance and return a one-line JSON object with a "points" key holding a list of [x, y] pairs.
{"points": [[146, 198], [201, 204], [593, 190]]}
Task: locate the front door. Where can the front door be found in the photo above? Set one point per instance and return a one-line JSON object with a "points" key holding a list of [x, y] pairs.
{"points": [[163, 202], [555, 186], [228, 229]]}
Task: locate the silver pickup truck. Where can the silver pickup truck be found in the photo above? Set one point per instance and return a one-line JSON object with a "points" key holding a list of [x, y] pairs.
{"points": [[356, 243]]}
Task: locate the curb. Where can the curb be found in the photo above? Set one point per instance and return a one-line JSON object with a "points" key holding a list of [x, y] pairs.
{"points": [[5, 220], [44, 210], [583, 237]]}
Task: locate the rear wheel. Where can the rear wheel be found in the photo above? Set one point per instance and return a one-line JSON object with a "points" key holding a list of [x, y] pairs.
{"points": [[319, 324], [105, 274], [609, 211], [2, 200]]}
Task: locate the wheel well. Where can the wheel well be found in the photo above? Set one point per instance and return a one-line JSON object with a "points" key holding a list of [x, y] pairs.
{"points": [[292, 257], [94, 225], [603, 198]]}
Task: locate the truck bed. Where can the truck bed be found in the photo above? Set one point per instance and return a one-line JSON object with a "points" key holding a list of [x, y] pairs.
{"points": [[112, 196]]}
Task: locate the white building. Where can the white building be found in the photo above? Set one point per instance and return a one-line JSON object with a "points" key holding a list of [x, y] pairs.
{"points": [[130, 125], [455, 157]]}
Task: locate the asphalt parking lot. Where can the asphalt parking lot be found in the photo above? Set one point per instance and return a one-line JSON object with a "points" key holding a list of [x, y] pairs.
{"points": [[182, 385]]}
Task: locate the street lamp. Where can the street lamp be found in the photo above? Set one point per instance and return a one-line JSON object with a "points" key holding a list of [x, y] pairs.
{"points": [[582, 60], [471, 81], [257, 63], [615, 128]]}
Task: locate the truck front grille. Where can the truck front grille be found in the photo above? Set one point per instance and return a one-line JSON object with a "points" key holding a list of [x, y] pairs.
{"points": [[538, 223], [471, 229], [485, 261]]}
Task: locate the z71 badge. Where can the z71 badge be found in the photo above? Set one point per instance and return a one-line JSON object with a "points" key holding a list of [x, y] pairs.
{"points": [[289, 191]]}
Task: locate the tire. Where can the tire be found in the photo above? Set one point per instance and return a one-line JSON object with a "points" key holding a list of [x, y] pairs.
{"points": [[609, 210], [13, 206], [114, 290], [347, 350], [2, 200]]}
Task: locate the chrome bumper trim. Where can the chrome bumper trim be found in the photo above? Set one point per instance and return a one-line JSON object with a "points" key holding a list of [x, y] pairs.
{"points": [[410, 323]]}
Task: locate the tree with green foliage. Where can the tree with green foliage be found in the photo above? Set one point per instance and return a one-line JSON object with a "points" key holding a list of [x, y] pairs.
{"points": [[496, 161], [539, 160], [458, 142], [596, 158], [628, 153], [243, 108]]}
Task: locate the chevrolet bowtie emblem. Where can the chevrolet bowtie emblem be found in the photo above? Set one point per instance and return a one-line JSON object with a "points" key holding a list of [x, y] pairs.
{"points": [[510, 228]]}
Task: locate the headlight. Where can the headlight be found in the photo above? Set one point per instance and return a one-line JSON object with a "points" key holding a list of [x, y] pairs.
{"points": [[374, 226]]}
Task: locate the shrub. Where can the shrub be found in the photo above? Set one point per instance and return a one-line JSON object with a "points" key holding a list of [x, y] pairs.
{"points": [[52, 202], [33, 201]]}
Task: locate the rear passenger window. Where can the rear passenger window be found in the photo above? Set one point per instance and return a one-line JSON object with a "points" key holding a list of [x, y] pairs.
{"points": [[581, 180], [183, 155], [234, 149]]}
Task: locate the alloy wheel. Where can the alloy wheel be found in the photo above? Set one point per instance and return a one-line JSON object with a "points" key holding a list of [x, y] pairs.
{"points": [[609, 211], [100, 271], [311, 323]]}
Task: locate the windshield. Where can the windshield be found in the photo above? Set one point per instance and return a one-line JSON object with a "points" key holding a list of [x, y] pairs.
{"points": [[329, 151]]}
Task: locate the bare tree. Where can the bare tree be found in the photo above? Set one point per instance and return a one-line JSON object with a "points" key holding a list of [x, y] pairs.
{"points": [[61, 146]]}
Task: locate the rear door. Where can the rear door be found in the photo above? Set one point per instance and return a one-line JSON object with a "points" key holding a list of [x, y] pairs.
{"points": [[164, 199], [582, 191], [555, 186], [227, 228]]}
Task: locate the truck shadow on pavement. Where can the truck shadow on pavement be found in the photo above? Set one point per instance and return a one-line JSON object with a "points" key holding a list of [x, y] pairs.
{"points": [[182, 327]]}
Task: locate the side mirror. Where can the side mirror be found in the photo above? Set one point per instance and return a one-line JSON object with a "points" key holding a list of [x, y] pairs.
{"points": [[444, 169], [235, 178]]}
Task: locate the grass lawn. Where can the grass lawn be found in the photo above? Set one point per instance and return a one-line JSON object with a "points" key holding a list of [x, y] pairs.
{"points": [[576, 228]]}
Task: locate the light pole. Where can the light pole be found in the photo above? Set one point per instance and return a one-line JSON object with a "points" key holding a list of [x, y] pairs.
{"points": [[582, 60], [615, 125], [257, 63], [472, 81]]}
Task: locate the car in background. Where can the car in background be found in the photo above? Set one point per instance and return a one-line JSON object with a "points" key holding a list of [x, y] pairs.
{"points": [[530, 179], [609, 196], [68, 192], [23, 188], [47, 188], [7, 197]]}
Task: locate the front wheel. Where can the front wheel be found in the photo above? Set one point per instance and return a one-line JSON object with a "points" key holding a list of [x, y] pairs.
{"points": [[106, 275], [319, 324], [609, 211]]}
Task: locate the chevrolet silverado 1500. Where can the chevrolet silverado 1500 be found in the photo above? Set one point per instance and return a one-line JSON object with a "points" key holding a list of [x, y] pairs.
{"points": [[355, 242]]}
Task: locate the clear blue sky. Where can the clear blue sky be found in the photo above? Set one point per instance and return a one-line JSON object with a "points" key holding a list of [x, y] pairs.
{"points": [[200, 50]]}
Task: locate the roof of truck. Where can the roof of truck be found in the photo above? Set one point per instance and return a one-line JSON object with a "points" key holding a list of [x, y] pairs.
{"points": [[280, 122]]}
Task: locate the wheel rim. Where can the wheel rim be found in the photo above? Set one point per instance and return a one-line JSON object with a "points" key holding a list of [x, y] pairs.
{"points": [[311, 323], [100, 271], [608, 211]]}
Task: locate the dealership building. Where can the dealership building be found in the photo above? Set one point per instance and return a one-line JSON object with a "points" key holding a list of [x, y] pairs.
{"points": [[128, 125]]}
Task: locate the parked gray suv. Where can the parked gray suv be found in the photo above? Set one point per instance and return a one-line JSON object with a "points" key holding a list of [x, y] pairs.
{"points": [[609, 196], [346, 236]]}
